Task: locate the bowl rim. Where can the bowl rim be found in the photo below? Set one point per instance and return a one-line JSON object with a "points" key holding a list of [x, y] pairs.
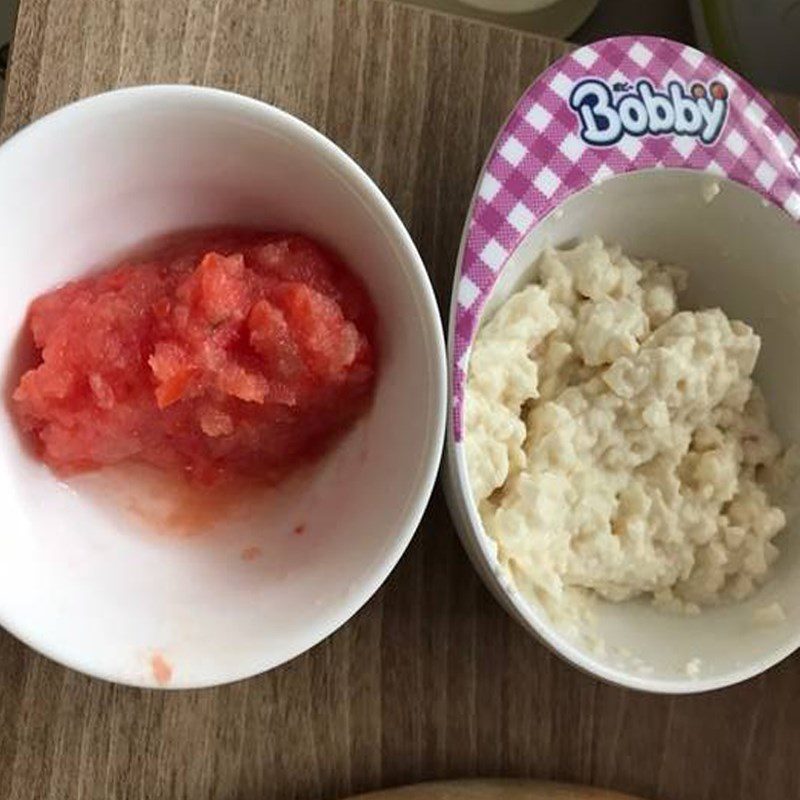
{"points": [[80, 112]]}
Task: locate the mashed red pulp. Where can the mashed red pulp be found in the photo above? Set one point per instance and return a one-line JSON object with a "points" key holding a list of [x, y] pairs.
{"points": [[222, 355]]}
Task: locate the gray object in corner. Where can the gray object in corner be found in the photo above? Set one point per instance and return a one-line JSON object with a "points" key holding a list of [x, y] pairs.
{"points": [[758, 38]]}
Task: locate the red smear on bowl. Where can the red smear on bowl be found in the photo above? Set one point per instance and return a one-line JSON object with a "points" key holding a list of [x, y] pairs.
{"points": [[251, 553], [168, 505], [161, 669], [299, 529]]}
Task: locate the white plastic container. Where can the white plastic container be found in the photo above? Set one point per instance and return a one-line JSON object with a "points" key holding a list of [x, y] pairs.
{"points": [[88, 583], [656, 195]]}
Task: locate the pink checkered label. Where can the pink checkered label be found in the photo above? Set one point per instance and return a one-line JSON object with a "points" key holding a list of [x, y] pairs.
{"points": [[616, 106]]}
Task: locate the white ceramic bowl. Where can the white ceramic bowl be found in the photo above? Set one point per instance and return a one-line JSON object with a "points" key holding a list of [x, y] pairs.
{"points": [[84, 581], [742, 255]]}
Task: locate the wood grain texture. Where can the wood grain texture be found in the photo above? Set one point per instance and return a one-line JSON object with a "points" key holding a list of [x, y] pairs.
{"points": [[431, 679]]}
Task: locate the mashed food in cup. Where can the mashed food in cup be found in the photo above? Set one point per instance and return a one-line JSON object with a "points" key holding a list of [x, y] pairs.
{"points": [[616, 445]]}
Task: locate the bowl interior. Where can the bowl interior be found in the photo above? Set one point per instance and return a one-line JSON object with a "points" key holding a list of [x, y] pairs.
{"points": [[93, 584], [742, 255]]}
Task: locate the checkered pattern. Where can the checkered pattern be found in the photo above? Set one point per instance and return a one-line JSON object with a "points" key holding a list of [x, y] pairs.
{"points": [[539, 160]]}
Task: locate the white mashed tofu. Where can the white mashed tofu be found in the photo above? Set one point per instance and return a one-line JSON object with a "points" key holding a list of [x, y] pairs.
{"points": [[615, 444]]}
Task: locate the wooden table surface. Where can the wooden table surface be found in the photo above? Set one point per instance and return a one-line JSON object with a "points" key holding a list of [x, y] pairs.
{"points": [[431, 679]]}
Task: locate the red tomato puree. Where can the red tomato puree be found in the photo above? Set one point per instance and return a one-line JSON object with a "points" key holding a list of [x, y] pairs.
{"points": [[222, 355]]}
